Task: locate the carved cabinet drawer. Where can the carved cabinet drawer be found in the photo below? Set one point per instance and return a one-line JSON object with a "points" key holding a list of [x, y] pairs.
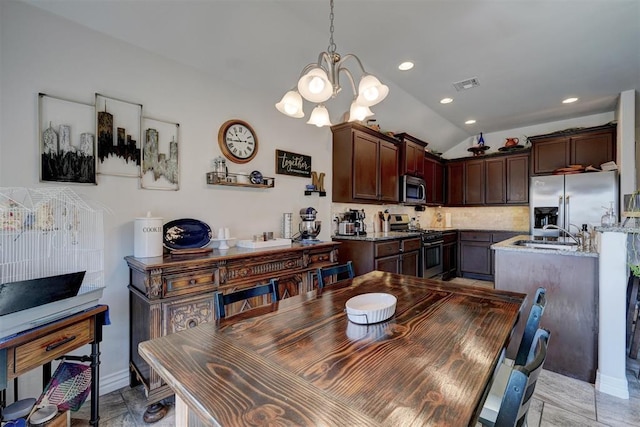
{"points": [[37, 352], [185, 283], [187, 313]]}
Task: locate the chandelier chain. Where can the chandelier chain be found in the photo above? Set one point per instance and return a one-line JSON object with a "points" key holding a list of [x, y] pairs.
{"points": [[332, 46]]}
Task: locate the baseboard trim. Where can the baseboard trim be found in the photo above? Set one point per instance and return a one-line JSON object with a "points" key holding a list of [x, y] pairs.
{"points": [[113, 382], [617, 387]]}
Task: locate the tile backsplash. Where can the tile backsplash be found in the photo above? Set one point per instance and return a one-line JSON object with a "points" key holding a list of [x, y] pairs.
{"points": [[512, 218]]}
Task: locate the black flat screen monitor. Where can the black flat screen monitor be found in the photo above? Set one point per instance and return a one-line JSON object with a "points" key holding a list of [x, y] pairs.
{"points": [[18, 296]]}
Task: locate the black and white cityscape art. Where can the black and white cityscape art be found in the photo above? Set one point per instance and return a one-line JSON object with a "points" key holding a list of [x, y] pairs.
{"points": [[118, 128], [67, 143], [160, 167]]}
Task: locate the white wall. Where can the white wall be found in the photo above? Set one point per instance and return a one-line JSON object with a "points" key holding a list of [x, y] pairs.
{"points": [[44, 53]]}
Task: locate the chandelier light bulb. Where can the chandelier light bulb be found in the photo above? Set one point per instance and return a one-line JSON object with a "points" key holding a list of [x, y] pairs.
{"points": [[291, 105], [319, 117], [359, 112], [315, 86], [371, 91]]}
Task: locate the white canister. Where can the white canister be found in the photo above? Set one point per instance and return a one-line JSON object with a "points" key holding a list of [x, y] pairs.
{"points": [[147, 237]]}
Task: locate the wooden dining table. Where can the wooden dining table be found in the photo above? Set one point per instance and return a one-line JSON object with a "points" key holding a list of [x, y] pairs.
{"points": [[301, 362]]}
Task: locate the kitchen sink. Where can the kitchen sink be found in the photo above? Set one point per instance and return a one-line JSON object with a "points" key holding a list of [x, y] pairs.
{"points": [[554, 245]]}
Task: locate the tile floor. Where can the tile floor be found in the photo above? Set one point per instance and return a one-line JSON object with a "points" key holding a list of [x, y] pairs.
{"points": [[558, 401]]}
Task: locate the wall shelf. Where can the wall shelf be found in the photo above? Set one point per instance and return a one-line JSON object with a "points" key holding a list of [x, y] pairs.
{"points": [[231, 180], [320, 193]]}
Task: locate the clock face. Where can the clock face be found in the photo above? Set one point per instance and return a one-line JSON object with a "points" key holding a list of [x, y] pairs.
{"points": [[238, 141]]}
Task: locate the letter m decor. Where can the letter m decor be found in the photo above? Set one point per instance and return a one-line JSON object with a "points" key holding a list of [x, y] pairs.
{"points": [[288, 163]]}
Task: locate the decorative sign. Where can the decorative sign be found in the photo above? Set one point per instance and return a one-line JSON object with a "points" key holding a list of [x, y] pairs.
{"points": [[288, 163]]}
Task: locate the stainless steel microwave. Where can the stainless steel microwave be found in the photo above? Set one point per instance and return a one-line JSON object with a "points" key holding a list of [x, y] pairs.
{"points": [[413, 190]]}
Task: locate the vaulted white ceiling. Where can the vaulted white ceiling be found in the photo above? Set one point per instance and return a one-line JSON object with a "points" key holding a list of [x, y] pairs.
{"points": [[528, 55]]}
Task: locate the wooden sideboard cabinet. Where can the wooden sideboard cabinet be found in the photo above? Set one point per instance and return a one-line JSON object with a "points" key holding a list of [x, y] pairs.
{"points": [[169, 294]]}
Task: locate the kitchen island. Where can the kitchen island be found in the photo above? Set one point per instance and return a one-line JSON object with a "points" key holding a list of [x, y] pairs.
{"points": [[571, 314]]}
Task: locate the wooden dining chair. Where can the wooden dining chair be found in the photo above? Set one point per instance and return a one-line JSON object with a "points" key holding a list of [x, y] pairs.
{"points": [[221, 300], [531, 327], [342, 272], [512, 409], [527, 345]]}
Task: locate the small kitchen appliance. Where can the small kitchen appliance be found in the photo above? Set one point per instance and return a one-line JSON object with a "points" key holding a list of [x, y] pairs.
{"points": [[309, 227], [413, 190], [352, 223]]}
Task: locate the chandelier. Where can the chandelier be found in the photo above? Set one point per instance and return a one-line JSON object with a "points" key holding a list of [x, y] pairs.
{"points": [[321, 81]]}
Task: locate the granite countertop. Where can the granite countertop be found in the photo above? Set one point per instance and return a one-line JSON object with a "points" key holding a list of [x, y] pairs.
{"points": [[373, 237], [509, 245], [392, 235]]}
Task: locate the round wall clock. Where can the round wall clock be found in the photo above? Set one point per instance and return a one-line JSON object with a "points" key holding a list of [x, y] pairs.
{"points": [[238, 141]]}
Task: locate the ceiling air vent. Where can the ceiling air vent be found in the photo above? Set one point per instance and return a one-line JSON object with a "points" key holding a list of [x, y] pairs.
{"points": [[466, 84]]}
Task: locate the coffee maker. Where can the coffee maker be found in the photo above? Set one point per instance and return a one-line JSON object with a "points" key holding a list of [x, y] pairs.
{"points": [[357, 216], [309, 227]]}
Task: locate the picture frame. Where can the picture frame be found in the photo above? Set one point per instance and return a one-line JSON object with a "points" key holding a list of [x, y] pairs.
{"points": [[160, 168], [118, 136], [293, 164], [66, 135]]}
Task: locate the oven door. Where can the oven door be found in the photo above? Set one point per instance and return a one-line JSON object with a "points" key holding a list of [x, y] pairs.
{"points": [[432, 258]]}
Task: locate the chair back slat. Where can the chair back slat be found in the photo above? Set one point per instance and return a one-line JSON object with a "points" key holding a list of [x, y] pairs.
{"points": [[522, 381], [533, 323], [342, 272], [221, 300]]}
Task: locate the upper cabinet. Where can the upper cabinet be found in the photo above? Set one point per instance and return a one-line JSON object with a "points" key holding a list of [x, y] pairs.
{"points": [[365, 165], [434, 177], [491, 180], [590, 146], [455, 183], [411, 155]]}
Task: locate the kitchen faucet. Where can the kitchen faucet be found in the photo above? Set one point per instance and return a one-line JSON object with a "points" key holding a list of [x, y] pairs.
{"points": [[568, 233]]}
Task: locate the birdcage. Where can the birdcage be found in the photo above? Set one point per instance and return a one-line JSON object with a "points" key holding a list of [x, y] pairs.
{"points": [[44, 233]]}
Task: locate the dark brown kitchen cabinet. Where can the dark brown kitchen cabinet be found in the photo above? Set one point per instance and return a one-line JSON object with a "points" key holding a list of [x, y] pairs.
{"points": [[517, 179], [434, 177], [394, 256], [365, 165], [412, 155], [491, 180], [495, 181], [476, 255], [455, 183], [474, 182], [449, 254], [591, 146]]}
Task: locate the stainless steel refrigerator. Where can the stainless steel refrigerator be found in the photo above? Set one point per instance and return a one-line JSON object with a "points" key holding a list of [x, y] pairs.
{"points": [[576, 199]]}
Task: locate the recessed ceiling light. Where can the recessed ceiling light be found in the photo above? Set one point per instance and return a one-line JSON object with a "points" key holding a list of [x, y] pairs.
{"points": [[469, 122], [569, 100], [405, 66], [446, 100]]}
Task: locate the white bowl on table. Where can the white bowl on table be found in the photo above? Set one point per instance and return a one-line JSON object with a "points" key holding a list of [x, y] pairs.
{"points": [[366, 309]]}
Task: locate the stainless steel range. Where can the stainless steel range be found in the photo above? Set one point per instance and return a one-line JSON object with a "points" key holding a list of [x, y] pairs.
{"points": [[432, 243]]}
